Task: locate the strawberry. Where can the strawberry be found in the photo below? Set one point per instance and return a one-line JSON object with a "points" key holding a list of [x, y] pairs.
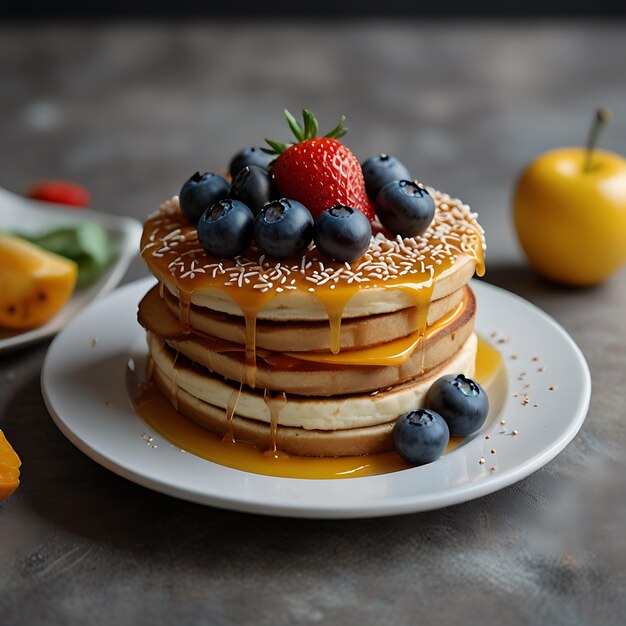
{"points": [[319, 172], [61, 192]]}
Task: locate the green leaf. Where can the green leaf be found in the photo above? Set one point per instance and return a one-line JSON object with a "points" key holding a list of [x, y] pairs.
{"points": [[94, 242], [296, 129], [61, 241], [88, 271], [87, 243], [276, 146], [308, 130]]}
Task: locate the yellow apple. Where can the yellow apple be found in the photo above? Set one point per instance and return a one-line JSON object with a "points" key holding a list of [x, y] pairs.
{"points": [[570, 215]]}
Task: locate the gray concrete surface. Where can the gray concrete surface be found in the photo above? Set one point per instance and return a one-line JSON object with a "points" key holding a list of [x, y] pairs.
{"points": [[131, 111]]}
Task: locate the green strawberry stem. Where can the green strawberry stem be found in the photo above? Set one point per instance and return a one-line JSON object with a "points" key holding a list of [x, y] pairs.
{"points": [[308, 130], [296, 129], [600, 120]]}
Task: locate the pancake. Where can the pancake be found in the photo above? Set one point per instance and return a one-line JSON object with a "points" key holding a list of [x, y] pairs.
{"points": [[337, 351], [393, 274], [356, 411], [306, 336], [312, 376], [303, 305]]}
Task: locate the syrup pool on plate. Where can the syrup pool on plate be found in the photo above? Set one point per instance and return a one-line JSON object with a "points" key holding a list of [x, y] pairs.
{"points": [[185, 434]]}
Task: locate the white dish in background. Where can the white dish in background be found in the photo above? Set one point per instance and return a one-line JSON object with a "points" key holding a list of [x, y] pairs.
{"points": [[84, 387], [32, 217]]}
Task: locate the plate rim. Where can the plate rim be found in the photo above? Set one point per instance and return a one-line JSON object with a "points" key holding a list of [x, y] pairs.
{"points": [[375, 508]]}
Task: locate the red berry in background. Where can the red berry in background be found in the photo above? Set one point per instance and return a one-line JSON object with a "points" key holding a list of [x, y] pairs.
{"points": [[319, 172], [60, 192]]}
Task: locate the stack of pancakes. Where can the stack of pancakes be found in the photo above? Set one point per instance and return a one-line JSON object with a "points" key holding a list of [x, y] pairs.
{"points": [[244, 347]]}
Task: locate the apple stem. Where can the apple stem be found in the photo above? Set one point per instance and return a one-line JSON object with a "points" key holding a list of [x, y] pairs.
{"points": [[601, 118]]}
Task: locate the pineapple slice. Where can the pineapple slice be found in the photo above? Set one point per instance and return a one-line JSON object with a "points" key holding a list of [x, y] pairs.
{"points": [[9, 468], [34, 283]]}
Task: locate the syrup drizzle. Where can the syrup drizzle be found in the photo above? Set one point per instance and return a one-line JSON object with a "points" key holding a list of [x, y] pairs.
{"points": [[422, 296], [233, 400], [334, 321], [184, 303], [250, 309], [335, 302], [275, 403], [174, 388], [479, 252]]}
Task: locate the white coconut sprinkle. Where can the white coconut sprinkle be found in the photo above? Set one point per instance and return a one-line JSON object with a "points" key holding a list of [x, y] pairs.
{"points": [[453, 232]]}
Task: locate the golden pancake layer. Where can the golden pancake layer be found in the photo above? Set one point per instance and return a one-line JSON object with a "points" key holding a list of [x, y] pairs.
{"points": [[307, 356]]}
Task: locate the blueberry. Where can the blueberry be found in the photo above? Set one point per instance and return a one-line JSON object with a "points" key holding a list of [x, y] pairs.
{"points": [[380, 170], [420, 436], [200, 192], [252, 186], [405, 208], [462, 403], [249, 156], [226, 229], [342, 234], [283, 228]]}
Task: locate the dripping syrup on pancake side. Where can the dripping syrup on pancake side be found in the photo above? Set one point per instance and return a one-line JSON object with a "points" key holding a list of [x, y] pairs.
{"points": [[231, 407], [274, 402], [174, 389]]}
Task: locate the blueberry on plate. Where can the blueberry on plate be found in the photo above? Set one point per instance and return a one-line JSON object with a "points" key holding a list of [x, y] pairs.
{"points": [[249, 156], [226, 229], [462, 402], [420, 436], [200, 192], [252, 186], [380, 170], [342, 234], [283, 228], [405, 208]]}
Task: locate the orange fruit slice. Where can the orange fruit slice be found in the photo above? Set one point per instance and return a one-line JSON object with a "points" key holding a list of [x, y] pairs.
{"points": [[35, 283], [9, 468]]}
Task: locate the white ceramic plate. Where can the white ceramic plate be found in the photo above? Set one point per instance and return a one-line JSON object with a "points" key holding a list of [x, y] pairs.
{"points": [[84, 386], [31, 217]]}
